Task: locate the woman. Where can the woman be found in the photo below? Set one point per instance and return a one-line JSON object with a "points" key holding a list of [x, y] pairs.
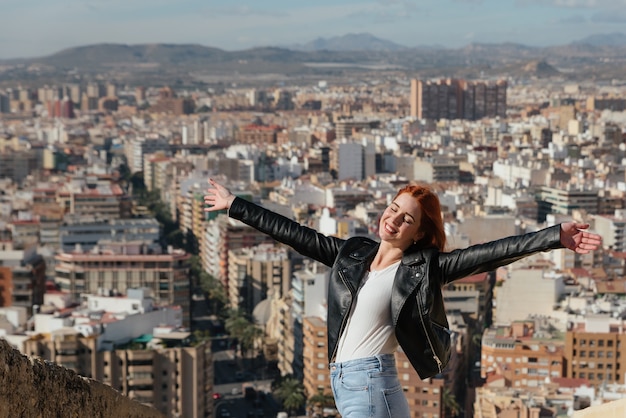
{"points": [[387, 294]]}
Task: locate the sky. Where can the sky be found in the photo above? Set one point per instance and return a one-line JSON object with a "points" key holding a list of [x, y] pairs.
{"points": [[34, 28]]}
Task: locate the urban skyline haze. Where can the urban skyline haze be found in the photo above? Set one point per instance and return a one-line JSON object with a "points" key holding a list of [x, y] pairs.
{"points": [[39, 28]]}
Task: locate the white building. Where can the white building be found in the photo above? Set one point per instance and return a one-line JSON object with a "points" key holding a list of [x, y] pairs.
{"points": [[527, 291], [350, 161]]}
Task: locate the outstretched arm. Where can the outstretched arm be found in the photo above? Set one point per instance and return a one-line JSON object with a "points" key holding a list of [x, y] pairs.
{"points": [[576, 239], [491, 255], [304, 240], [217, 197]]}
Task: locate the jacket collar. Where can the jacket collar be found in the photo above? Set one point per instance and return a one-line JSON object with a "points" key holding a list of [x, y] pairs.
{"points": [[413, 257], [410, 257]]}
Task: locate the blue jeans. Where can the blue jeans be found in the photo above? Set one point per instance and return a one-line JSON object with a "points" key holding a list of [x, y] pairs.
{"points": [[368, 387]]}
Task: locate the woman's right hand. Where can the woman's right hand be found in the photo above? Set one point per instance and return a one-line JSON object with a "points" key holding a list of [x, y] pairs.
{"points": [[217, 197]]}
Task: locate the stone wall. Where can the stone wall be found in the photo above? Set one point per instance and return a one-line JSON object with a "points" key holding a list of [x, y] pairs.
{"points": [[614, 409], [38, 389]]}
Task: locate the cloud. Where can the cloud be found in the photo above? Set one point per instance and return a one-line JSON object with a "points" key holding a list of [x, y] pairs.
{"points": [[573, 19], [387, 11], [244, 10], [577, 4], [618, 16]]}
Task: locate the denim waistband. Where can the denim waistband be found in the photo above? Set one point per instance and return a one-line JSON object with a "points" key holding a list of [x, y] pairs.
{"points": [[381, 361]]}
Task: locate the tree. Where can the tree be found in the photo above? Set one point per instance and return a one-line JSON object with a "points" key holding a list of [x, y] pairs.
{"points": [[319, 401], [214, 290], [450, 403], [239, 327], [290, 392]]}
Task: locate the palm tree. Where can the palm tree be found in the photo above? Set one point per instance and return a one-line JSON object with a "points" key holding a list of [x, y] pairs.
{"points": [[450, 403], [210, 285], [291, 393], [239, 327], [215, 291], [319, 401]]}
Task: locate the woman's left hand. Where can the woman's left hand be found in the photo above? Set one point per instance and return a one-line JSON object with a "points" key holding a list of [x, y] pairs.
{"points": [[574, 237]]}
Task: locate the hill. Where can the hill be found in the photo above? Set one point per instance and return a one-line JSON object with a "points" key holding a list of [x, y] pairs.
{"points": [[599, 58]]}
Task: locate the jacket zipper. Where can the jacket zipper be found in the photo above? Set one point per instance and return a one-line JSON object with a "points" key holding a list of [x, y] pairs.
{"points": [[345, 317], [430, 343]]}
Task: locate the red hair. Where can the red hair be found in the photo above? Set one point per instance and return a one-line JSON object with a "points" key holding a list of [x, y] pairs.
{"points": [[431, 224]]}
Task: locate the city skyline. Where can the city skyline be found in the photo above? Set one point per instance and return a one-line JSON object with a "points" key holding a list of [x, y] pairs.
{"points": [[39, 28]]}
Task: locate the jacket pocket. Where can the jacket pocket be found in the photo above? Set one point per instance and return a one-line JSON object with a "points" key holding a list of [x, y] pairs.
{"points": [[437, 349]]}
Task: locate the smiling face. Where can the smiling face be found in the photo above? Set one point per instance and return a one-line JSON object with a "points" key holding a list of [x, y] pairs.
{"points": [[400, 223]]}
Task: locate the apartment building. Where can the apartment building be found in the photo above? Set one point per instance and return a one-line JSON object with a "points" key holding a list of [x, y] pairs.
{"points": [[612, 229], [93, 195], [118, 267], [17, 164], [471, 295], [594, 350], [222, 235], [308, 295], [257, 273], [84, 232], [280, 331], [350, 161], [524, 354], [549, 400], [434, 170], [135, 347], [424, 396], [259, 134], [457, 99], [565, 200], [22, 277], [168, 103], [315, 357], [136, 148], [529, 289], [178, 381]]}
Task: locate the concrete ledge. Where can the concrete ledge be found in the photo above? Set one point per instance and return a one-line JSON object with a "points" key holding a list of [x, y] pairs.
{"points": [[34, 388], [615, 409]]}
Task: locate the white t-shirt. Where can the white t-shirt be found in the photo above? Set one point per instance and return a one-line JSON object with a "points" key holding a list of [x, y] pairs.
{"points": [[369, 330]]}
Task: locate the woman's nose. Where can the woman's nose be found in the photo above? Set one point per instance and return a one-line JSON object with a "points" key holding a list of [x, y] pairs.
{"points": [[397, 219]]}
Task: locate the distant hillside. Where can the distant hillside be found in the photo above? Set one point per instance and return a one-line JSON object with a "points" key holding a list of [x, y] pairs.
{"points": [[349, 42], [333, 57], [540, 69], [608, 39]]}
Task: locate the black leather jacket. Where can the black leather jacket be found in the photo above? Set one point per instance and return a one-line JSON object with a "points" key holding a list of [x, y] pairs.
{"points": [[417, 307]]}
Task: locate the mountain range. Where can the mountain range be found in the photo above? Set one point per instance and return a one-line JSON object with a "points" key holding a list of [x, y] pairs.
{"points": [[596, 57]]}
